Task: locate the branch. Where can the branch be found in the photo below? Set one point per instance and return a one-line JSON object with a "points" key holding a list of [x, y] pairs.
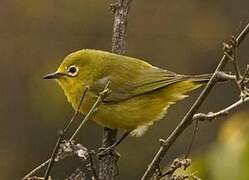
{"points": [[92, 166], [177, 163], [54, 154], [93, 109], [210, 116], [107, 162], [121, 10], [188, 118], [76, 113]]}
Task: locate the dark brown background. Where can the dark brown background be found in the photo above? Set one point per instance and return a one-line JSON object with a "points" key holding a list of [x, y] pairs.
{"points": [[182, 36]]}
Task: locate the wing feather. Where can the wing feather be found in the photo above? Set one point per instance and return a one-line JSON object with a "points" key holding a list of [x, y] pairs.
{"points": [[126, 85]]}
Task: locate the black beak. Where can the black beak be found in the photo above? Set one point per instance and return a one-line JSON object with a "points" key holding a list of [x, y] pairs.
{"points": [[55, 75]]}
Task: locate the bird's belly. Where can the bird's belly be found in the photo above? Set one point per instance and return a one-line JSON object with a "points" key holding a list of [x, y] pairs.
{"points": [[119, 116], [140, 110], [132, 113], [127, 114]]}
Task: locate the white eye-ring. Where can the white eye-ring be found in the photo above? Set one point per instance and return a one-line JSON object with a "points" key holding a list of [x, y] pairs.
{"points": [[72, 70]]}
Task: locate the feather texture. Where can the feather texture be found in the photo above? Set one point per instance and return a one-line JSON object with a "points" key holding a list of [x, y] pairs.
{"points": [[141, 93]]}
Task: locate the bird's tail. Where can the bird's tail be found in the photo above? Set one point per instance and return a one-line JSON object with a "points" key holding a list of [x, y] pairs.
{"points": [[201, 78]]}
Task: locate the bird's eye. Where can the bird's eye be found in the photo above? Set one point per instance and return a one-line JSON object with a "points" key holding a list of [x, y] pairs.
{"points": [[72, 70]]}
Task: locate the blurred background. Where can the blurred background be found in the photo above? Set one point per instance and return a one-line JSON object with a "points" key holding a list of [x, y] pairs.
{"points": [[182, 36]]}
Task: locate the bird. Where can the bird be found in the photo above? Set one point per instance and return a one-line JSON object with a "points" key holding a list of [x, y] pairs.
{"points": [[140, 92]]}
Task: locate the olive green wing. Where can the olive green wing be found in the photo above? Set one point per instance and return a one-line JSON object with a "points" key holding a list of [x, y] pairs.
{"points": [[127, 84]]}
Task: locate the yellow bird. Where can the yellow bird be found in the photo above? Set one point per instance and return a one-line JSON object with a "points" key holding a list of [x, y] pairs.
{"points": [[140, 93]]}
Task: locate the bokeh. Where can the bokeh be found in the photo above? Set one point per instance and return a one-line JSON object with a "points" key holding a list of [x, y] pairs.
{"points": [[182, 36]]}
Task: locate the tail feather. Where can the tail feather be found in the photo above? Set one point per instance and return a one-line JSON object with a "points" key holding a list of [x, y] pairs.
{"points": [[202, 78]]}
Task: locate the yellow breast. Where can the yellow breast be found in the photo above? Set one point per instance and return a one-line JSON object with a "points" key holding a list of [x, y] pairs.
{"points": [[137, 113]]}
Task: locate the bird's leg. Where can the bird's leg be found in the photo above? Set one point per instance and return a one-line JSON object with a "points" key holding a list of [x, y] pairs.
{"points": [[111, 147], [119, 140]]}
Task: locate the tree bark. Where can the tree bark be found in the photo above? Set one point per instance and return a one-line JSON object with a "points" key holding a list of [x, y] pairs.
{"points": [[108, 162]]}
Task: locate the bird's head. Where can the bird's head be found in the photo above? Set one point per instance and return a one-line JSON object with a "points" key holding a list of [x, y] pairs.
{"points": [[75, 71]]}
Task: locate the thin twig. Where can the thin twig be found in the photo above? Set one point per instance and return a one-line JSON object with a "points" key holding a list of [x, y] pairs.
{"points": [[36, 169], [233, 57], [54, 153], [210, 116], [93, 109], [236, 63], [65, 130], [187, 120], [102, 94], [246, 74], [176, 164], [36, 178], [243, 82], [77, 110], [61, 135], [192, 139]]}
